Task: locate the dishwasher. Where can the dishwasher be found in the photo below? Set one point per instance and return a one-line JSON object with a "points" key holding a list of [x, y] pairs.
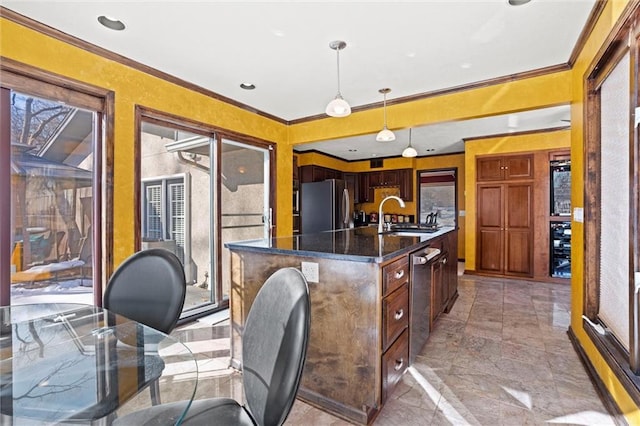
{"points": [[420, 299]]}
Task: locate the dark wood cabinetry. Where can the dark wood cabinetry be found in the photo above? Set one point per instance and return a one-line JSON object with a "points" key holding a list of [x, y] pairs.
{"points": [[444, 276], [311, 173], [366, 192], [363, 184], [395, 323], [406, 184], [384, 178], [402, 178], [438, 287], [512, 167], [505, 194], [505, 228], [353, 184]]}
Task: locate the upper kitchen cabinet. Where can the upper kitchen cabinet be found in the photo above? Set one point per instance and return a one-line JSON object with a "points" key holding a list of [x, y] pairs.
{"points": [[353, 185], [384, 178], [510, 167], [313, 173], [402, 178]]}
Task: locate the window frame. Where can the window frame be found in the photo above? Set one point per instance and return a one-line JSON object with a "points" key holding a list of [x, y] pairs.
{"points": [[624, 38], [34, 81]]}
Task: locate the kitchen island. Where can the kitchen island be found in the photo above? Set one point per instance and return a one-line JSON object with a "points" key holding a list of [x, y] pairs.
{"points": [[367, 313]]}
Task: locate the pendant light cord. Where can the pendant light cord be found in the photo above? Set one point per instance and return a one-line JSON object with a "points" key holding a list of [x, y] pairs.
{"points": [[338, 67], [384, 110]]}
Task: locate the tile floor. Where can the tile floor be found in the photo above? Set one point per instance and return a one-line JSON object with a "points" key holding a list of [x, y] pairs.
{"points": [[500, 357]]}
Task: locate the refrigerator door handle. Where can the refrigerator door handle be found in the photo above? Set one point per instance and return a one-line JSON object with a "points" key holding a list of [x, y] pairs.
{"points": [[345, 198]]}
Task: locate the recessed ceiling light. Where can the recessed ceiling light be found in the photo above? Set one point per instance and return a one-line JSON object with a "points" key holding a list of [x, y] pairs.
{"points": [[518, 2], [111, 23], [465, 65], [247, 86]]}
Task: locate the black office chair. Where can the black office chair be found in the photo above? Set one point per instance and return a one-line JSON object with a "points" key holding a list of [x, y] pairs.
{"points": [[274, 347], [148, 287]]}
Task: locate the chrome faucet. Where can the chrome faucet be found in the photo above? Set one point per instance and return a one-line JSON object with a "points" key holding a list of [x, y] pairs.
{"points": [[380, 215]]}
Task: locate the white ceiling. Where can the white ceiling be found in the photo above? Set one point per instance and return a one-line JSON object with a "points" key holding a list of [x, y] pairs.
{"points": [[412, 47]]}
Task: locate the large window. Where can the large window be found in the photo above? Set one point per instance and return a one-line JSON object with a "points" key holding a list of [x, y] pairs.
{"points": [[200, 188], [611, 207], [51, 154]]}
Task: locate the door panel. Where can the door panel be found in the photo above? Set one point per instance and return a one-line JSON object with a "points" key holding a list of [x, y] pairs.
{"points": [[518, 253], [518, 199], [245, 212], [490, 250], [53, 159], [175, 204], [518, 167], [489, 200], [489, 169]]}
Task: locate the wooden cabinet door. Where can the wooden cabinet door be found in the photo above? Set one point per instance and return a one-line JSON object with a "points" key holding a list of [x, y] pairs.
{"points": [[518, 167], [405, 177], [518, 201], [490, 222], [353, 184], [391, 177], [365, 196], [489, 169], [375, 179], [437, 289]]}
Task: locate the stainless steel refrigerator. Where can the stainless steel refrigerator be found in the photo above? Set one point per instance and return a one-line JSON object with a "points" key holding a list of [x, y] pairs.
{"points": [[325, 206]]}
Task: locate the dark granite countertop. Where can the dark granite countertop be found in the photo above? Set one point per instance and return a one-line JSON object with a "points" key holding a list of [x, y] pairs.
{"points": [[357, 244]]}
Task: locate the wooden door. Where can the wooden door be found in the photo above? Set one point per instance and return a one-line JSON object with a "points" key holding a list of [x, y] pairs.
{"points": [[490, 224], [518, 225]]}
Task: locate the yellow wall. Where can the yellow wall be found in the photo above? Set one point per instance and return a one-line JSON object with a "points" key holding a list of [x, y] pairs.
{"points": [[500, 145], [604, 25]]}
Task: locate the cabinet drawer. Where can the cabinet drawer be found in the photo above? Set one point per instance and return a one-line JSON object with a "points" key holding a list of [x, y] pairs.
{"points": [[395, 315], [394, 275], [394, 363]]}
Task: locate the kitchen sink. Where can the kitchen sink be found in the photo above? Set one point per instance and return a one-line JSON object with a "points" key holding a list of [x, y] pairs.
{"points": [[407, 233], [413, 228]]}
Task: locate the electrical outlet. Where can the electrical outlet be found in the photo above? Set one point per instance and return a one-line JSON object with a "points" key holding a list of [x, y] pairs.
{"points": [[310, 271]]}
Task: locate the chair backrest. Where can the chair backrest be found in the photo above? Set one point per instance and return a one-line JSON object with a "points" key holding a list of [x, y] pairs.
{"points": [[148, 287], [274, 346]]}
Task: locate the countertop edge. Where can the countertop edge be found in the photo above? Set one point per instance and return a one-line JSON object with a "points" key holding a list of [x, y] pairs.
{"points": [[247, 246]]}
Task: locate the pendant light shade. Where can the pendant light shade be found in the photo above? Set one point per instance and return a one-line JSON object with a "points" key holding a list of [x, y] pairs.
{"points": [[338, 107], [385, 135], [409, 151]]}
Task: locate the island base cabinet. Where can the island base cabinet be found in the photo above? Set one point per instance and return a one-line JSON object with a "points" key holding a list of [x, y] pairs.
{"points": [[359, 339], [342, 374], [394, 363]]}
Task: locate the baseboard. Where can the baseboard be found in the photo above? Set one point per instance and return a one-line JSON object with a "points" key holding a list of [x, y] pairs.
{"points": [[601, 389]]}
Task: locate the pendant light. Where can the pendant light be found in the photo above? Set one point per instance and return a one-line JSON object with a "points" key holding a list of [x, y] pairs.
{"points": [[338, 107], [409, 151], [385, 135]]}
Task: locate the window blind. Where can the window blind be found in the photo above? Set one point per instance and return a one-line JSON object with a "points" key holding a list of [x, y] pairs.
{"points": [[614, 202]]}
